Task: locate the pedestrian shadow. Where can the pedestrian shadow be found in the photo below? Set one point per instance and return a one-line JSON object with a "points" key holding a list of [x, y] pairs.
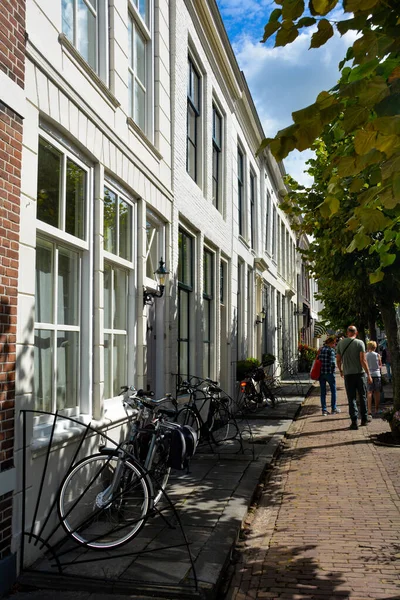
{"points": [[292, 571]]}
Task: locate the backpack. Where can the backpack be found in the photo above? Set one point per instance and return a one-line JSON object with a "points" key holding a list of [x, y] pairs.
{"points": [[183, 446]]}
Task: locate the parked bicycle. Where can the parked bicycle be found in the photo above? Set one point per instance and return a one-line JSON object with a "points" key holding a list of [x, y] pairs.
{"points": [[256, 391], [208, 411], [105, 499]]}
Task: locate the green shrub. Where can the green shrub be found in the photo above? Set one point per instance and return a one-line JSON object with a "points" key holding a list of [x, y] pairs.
{"points": [[243, 366], [268, 359]]}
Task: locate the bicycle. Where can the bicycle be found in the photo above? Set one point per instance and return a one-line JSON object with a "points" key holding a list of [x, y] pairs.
{"points": [[105, 499], [256, 391], [207, 411]]}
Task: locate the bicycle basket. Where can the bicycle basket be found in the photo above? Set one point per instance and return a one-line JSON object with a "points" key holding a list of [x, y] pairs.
{"points": [[258, 374], [183, 446]]}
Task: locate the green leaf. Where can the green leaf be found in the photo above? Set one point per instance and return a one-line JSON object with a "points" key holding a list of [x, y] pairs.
{"points": [[354, 116], [376, 90], [322, 7], [305, 22], [387, 198], [325, 31], [361, 240], [285, 36], [363, 70], [358, 5], [387, 259], [292, 9], [387, 125], [307, 132], [376, 276], [309, 113], [365, 141], [345, 166], [388, 107], [396, 187], [329, 206], [390, 166], [275, 15], [356, 185], [356, 23], [387, 143], [373, 220], [270, 29]]}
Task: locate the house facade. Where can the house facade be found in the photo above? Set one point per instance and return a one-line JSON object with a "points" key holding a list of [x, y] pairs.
{"points": [[139, 149]]}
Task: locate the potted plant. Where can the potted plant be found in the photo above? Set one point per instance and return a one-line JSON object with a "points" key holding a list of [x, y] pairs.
{"points": [[267, 359], [243, 366], [392, 416], [307, 355]]}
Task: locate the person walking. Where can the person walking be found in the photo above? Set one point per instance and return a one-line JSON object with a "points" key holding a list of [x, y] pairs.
{"points": [[374, 388], [328, 364], [352, 364]]}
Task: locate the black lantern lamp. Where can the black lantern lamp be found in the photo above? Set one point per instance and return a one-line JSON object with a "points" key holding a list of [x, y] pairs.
{"points": [[262, 314], [161, 277]]}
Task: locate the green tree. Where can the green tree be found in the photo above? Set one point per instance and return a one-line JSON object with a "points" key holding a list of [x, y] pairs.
{"points": [[355, 200]]}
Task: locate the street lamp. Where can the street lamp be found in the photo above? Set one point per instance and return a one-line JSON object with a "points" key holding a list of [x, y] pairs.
{"points": [[161, 277]]}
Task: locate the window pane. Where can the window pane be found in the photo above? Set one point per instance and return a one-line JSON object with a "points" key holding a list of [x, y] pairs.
{"points": [[75, 200], [185, 259], [125, 229], [144, 10], [68, 19], [44, 283], [107, 296], [67, 369], [43, 364], [152, 249], [119, 363], [140, 66], [207, 274], [130, 93], [140, 104], [68, 287], [130, 40], [110, 221], [183, 315], [86, 34], [48, 192], [107, 366], [120, 299]]}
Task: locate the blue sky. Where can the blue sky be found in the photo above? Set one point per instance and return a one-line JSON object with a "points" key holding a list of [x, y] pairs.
{"points": [[285, 79]]}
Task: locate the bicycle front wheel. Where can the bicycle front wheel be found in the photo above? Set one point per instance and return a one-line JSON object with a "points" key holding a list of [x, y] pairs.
{"points": [[187, 416], [223, 425], [159, 470], [94, 516]]}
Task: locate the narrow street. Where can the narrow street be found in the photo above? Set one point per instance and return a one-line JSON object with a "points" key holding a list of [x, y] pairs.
{"points": [[328, 522]]}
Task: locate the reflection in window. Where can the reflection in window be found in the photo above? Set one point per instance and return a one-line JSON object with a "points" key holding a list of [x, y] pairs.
{"points": [[193, 120], [80, 25], [64, 210], [57, 328], [185, 290], [216, 157], [115, 329], [208, 286], [117, 222], [153, 250], [138, 40]]}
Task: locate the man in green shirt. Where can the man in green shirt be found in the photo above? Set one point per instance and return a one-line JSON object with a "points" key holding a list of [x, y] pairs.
{"points": [[352, 364]]}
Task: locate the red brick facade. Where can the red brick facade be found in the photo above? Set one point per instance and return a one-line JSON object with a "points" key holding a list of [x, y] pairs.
{"points": [[12, 63]]}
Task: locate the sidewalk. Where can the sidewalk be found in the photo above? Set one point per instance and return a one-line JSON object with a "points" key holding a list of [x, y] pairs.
{"points": [[212, 501], [328, 522]]}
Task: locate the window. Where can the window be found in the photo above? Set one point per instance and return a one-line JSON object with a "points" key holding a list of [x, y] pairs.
{"points": [[216, 158], [62, 190], [139, 62], [57, 328], [268, 224], [61, 247], [84, 22], [208, 292], [185, 289], [116, 282], [117, 225], [274, 233], [154, 246], [240, 174], [193, 121], [252, 208], [222, 282]]}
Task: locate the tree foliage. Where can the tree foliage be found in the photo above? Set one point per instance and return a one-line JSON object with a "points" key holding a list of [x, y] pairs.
{"points": [[361, 114]]}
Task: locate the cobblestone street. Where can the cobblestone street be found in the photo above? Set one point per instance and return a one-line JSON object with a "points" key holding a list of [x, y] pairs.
{"points": [[328, 521]]}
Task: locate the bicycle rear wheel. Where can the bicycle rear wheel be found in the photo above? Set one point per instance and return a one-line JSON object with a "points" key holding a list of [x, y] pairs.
{"points": [[93, 517], [159, 470]]}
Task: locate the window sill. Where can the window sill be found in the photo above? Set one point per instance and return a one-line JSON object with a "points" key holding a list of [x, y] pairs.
{"points": [[81, 62], [131, 123], [244, 241]]}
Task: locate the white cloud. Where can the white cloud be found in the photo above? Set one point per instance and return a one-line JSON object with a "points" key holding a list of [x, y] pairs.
{"points": [[285, 79]]}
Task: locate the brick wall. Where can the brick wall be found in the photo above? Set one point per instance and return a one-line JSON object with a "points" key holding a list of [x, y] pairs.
{"points": [[12, 61], [12, 39]]}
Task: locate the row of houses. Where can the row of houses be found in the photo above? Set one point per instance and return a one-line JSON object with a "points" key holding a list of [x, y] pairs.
{"points": [[128, 149]]}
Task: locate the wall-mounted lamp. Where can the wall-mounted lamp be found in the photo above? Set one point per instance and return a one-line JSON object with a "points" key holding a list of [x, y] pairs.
{"points": [[161, 278], [261, 317]]}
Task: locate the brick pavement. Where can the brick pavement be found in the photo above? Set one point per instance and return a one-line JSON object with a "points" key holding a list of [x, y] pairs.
{"points": [[328, 522]]}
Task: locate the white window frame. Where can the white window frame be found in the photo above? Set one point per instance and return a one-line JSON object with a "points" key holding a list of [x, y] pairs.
{"points": [[58, 237], [158, 237], [146, 30], [101, 68], [192, 64]]}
